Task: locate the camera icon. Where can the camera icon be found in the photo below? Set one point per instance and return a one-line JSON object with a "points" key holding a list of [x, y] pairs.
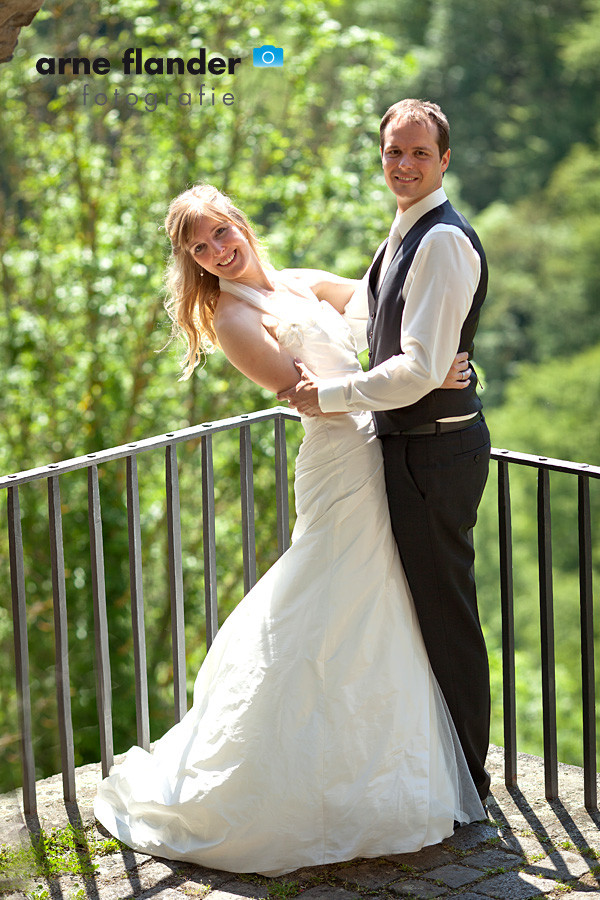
{"points": [[267, 57]]}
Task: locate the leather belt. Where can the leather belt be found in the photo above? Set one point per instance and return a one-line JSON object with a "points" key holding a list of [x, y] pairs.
{"points": [[441, 427]]}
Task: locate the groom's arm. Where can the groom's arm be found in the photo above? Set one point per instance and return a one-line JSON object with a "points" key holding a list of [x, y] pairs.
{"points": [[438, 296]]}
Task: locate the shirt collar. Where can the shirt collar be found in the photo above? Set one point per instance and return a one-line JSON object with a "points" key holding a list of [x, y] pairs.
{"points": [[405, 221]]}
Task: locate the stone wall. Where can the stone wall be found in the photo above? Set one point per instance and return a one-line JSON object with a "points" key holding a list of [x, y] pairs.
{"points": [[14, 15]]}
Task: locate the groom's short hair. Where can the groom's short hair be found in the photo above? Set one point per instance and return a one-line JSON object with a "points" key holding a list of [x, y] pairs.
{"points": [[423, 111]]}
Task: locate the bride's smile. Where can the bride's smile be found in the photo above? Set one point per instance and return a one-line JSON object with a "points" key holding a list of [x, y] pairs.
{"points": [[221, 248], [229, 260]]}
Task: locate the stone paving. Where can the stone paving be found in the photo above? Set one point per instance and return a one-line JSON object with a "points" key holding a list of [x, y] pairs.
{"points": [[528, 848]]}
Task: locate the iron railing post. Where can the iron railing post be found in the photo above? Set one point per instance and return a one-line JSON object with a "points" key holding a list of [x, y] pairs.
{"points": [[137, 605], [281, 487], [247, 497], [586, 603], [176, 582], [209, 541], [102, 658], [547, 636], [19, 606], [508, 626], [61, 640]]}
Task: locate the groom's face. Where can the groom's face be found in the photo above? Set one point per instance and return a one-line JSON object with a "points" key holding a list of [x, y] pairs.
{"points": [[411, 160]]}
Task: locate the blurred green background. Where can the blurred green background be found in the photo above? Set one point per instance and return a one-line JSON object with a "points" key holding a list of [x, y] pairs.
{"points": [[83, 193]]}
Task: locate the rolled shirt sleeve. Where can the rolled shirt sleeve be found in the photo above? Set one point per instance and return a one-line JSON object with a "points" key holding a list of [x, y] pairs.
{"points": [[438, 292]]}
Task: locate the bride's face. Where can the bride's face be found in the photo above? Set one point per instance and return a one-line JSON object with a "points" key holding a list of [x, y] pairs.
{"points": [[221, 248]]}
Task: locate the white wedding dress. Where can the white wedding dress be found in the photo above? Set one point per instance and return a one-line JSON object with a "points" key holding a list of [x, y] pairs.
{"points": [[317, 732]]}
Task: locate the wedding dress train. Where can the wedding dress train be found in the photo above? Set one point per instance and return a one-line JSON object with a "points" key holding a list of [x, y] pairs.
{"points": [[317, 732]]}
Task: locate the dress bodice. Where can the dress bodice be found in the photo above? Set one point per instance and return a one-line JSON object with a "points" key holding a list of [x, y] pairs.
{"points": [[308, 328]]}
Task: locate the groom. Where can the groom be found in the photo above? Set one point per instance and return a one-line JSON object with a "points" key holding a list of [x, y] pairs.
{"points": [[425, 288]]}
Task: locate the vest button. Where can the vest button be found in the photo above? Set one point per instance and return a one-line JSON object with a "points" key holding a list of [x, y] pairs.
{"points": [[476, 458]]}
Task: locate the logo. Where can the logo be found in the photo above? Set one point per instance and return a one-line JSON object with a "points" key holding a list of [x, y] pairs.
{"points": [[267, 57]]}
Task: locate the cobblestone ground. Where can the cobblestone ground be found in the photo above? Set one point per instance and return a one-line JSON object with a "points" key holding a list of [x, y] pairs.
{"points": [[528, 848]]}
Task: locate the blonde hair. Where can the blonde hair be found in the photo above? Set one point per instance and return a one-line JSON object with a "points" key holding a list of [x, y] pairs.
{"points": [[192, 292]]}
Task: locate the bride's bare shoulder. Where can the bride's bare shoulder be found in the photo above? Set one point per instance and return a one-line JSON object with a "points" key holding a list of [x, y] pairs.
{"points": [[246, 337], [230, 311], [238, 325]]}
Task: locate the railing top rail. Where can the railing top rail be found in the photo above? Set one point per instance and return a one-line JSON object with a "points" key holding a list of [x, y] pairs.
{"points": [[546, 462], [135, 447], [198, 431]]}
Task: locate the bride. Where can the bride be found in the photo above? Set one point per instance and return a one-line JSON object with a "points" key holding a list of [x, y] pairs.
{"points": [[318, 732]]}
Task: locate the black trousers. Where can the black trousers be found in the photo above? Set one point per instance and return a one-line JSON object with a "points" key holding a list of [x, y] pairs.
{"points": [[434, 485]]}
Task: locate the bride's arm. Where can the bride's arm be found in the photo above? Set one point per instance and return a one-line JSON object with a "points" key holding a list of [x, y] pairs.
{"points": [[250, 347], [335, 289]]}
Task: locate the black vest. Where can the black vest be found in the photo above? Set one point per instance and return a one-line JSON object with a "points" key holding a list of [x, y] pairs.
{"points": [[385, 317]]}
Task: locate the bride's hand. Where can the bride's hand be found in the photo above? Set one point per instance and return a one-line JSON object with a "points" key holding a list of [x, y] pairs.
{"points": [[459, 374]]}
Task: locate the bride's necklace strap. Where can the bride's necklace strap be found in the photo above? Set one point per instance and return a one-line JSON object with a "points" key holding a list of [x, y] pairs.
{"points": [[275, 304], [247, 293]]}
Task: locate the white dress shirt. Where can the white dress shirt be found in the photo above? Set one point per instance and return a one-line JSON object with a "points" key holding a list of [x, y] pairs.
{"points": [[438, 293]]}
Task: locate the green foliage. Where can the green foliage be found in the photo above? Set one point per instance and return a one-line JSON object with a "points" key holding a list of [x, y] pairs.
{"points": [[581, 44], [518, 80], [62, 851], [544, 296], [284, 890], [551, 409]]}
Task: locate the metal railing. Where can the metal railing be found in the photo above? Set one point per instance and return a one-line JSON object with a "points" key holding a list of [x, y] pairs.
{"points": [[583, 472], [52, 473]]}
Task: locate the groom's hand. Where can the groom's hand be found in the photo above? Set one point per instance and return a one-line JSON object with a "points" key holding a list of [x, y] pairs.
{"points": [[304, 396]]}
